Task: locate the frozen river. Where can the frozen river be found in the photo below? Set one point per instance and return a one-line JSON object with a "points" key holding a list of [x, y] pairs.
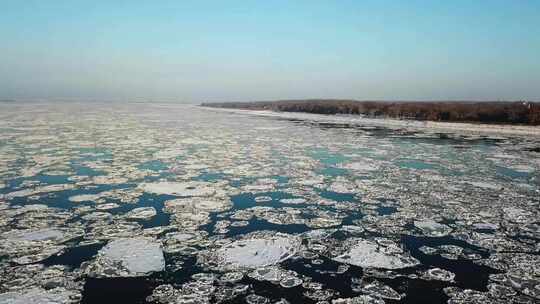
{"points": [[166, 203]]}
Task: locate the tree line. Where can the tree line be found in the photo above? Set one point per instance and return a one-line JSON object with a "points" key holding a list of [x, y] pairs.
{"points": [[501, 112]]}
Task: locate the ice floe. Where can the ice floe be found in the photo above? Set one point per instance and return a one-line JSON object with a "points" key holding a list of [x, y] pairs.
{"points": [[179, 188], [439, 275], [142, 213], [432, 228], [360, 166], [41, 296], [128, 257], [34, 245], [365, 253], [253, 251], [84, 198]]}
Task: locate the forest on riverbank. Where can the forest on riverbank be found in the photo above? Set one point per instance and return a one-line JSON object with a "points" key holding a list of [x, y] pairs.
{"points": [[497, 112]]}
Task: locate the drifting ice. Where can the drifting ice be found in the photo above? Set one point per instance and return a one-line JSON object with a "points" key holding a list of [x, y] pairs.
{"points": [[129, 257], [255, 251], [179, 189], [364, 253]]}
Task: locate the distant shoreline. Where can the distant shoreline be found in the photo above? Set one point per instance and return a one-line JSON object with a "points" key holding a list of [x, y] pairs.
{"points": [[430, 126], [488, 112]]}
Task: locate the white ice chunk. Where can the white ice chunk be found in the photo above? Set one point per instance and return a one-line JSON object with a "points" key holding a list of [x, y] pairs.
{"points": [[39, 190], [439, 274], [256, 252], [169, 153], [343, 187], [364, 253], [518, 215], [179, 189], [84, 198], [432, 228], [142, 213], [34, 235], [201, 204], [128, 257], [361, 299], [360, 166], [293, 201], [486, 185], [40, 296]]}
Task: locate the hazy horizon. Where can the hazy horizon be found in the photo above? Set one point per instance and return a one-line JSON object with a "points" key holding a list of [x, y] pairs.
{"points": [[197, 51]]}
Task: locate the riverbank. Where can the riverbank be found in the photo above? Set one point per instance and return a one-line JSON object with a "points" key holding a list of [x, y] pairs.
{"points": [[487, 112], [431, 126]]}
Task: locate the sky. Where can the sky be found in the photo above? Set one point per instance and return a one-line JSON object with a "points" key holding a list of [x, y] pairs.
{"points": [[195, 51]]}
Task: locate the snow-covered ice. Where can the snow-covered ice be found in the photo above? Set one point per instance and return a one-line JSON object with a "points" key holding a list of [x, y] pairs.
{"points": [[255, 251], [127, 257], [365, 253], [179, 188]]}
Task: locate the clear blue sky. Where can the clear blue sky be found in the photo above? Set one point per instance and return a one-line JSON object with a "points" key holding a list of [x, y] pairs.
{"points": [[244, 50]]}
